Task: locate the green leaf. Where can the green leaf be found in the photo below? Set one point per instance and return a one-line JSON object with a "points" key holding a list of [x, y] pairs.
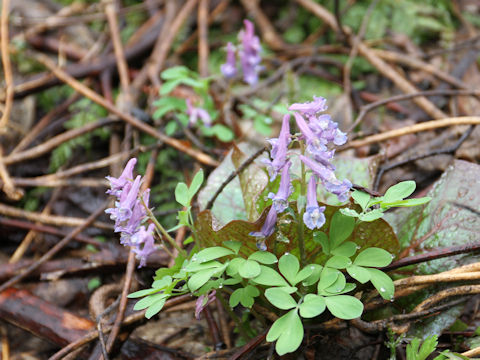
{"points": [[361, 198], [198, 279], [312, 305], [244, 296], [429, 345], [195, 185], [372, 215], [288, 331], [149, 301], [289, 266], [264, 257], [399, 191], [181, 194], [233, 245], [341, 227], [280, 298], [195, 266], [168, 86], [183, 218], [234, 266], [344, 307], [176, 72], [408, 202], [315, 276], [322, 239], [162, 283], [349, 212], [337, 287], [382, 282], [304, 273], [142, 293], [211, 253], [269, 277], [348, 248], [222, 132], [373, 257], [338, 262], [249, 269], [359, 273], [327, 278], [155, 308]]}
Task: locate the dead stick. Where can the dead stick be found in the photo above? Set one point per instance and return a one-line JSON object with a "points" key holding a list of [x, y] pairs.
{"points": [[7, 66], [202, 19], [92, 95], [429, 125], [54, 250]]}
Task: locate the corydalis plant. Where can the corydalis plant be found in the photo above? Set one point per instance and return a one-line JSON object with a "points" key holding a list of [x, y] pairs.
{"points": [[130, 212], [249, 54]]}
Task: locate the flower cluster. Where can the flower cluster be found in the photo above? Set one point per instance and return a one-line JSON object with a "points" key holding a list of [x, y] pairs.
{"points": [[318, 131], [249, 54], [130, 212], [196, 113]]}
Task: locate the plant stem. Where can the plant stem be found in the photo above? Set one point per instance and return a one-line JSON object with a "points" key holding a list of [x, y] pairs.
{"points": [[301, 228], [164, 232]]}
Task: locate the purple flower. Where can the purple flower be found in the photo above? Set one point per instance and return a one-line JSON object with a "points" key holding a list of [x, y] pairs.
{"points": [[196, 113], [280, 199], [310, 108], [279, 150], [143, 243], [313, 216], [250, 53], [315, 144], [117, 184], [268, 226], [229, 69], [129, 213], [203, 301], [329, 180]]}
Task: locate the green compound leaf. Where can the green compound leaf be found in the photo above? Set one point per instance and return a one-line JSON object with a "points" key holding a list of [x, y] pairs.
{"points": [[288, 331], [289, 266], [181, 194], [269, 277], [348, 248], [249, 269], [341, 227], [359, 273], [337, 287], [312, 305], [339, 262], [280, 299], [211, 253], [382, 282], [361, 198], [344, 306], [244, 296], [399, 191], [263, 257], [176, 72], [373, 257]]}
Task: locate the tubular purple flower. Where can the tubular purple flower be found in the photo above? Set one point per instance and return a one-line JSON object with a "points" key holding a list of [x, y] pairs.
{"points": [[250, 53], [310, 108], [339, 188], [143, 243], [268, 226], [280, 199], [313, 216], [203, 301], [125, 205], [279, 149], [314, 144], [117, 184], [196, 113], [229, 69]]}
